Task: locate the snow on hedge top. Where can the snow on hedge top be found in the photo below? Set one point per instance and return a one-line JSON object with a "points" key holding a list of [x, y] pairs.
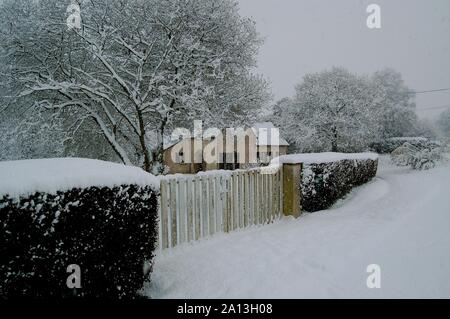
{"points": [[319, 158], [60, 174]]}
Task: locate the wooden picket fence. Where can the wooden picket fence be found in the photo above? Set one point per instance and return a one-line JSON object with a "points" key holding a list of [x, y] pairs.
{"points": [[197, 206]]}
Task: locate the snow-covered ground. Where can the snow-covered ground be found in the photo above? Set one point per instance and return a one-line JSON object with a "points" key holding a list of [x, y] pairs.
{"points": [[400, 221]]}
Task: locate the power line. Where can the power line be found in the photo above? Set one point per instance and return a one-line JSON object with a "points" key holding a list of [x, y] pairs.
{"points": [[429, 91], [433, 108]]}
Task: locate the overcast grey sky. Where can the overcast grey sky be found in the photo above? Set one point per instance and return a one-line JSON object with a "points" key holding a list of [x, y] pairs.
{"points": [[303, 36]]}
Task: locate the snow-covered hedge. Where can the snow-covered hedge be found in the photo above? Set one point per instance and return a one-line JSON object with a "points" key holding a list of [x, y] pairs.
{"points": [[323, 184], [326, 177], [55, 213]]}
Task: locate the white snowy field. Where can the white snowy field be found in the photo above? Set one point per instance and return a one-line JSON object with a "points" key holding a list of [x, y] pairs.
{"points": [[400, 221]]}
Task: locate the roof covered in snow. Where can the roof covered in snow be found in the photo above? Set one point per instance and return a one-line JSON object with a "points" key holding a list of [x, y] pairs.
{"points": [[51, 175], [318, 158], [168, 143], [268, 135]]}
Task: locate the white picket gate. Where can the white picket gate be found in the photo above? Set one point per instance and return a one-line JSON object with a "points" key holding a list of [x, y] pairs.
{"points": [[196, 206]]}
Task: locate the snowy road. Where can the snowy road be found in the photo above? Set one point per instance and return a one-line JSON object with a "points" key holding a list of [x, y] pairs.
{"points": [[400, 221]]}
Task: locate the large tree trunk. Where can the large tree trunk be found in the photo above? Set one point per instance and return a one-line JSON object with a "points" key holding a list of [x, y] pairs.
{"points": [[147, 162], [143, 142], [158, 153], [334, 141], [334, 147]]}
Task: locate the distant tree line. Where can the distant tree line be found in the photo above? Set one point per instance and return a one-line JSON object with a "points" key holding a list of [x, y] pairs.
{"points": [[336, 110]]}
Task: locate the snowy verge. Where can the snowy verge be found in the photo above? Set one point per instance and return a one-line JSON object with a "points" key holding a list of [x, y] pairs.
{"points": [[321, 158], [21, 178]]}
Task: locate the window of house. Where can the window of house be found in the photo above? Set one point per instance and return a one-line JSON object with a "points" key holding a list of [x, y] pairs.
{"points": [[181, 157], [228, 158]]}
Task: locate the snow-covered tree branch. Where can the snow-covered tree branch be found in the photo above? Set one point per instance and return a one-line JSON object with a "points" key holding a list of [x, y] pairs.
{"points": [[135, 68]]}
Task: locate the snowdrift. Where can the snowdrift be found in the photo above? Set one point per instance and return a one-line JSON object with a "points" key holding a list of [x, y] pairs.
{"points": [[59, 212]]}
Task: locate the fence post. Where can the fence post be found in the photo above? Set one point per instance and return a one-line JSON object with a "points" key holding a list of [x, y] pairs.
{"points": [[291, 189], [164, 239]]}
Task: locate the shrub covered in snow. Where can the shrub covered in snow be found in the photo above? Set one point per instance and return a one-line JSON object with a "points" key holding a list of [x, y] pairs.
{"points": [[323, 184], [389, 145], [421, 157], [107, 229]]}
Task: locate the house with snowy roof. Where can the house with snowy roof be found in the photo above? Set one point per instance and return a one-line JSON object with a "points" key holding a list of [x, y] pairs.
{"points": [[225, 149]]}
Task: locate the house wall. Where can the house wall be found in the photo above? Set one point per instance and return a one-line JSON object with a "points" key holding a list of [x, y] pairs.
{"points": [[193, 168], [274, 152], [250, 139], [176, 167]]}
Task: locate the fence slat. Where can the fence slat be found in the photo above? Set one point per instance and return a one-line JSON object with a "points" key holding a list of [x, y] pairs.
{"points": [[263, 198], [279, 182], [225, 196], [190, 210], [217, 193], [164, 216], [246, 198], [256, 199], [192, 207], [229, 213], [173, 213], [260, 201], [242, 202], [205, 215], [276, 194], [271, 199], [266, 200], [211, 206], [181, 211], [274, 198], [235, 198], [281, 192], [197, 208], [250, 198], [239, 201]]}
